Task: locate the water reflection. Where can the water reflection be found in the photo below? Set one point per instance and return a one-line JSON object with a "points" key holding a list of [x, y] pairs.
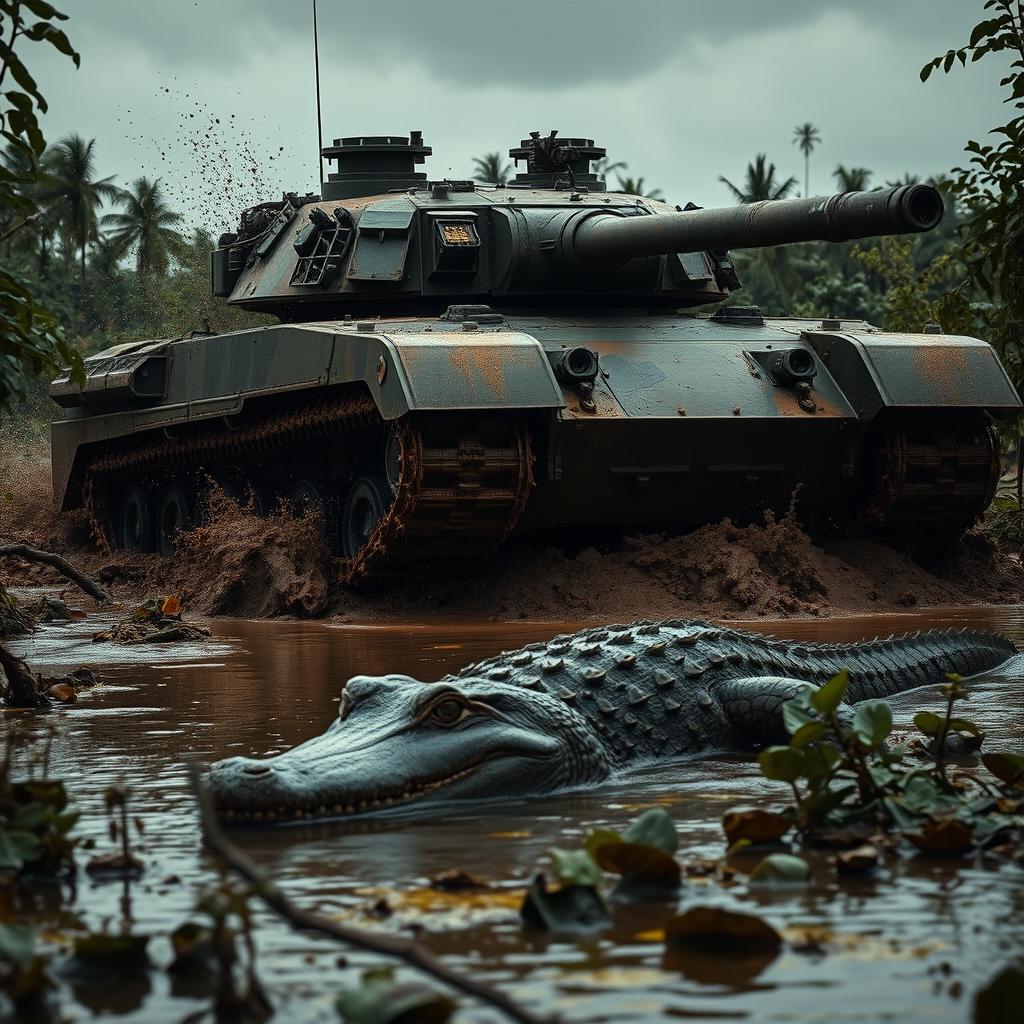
{"points": [[888, 946]]}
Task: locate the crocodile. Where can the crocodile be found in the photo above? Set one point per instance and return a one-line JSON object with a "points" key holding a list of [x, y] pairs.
{"points": [[570, 713]]}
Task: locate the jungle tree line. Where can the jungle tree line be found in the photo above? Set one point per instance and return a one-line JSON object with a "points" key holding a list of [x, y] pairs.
{"points": [[90, 257]]}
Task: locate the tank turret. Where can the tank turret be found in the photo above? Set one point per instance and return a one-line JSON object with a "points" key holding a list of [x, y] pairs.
{"points": [[384, 237]]}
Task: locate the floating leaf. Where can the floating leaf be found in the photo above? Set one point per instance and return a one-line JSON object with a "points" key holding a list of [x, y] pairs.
{"points": [[574, 908], [725, 931], [945, 835], [754, 825], [382, 1000], [858, 860], [778, 869], [575, 867], [646, 871], [653, 828]]}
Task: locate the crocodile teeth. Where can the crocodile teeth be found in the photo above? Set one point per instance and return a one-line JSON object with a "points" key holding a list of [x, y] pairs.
{"points": [[663, 679], [550, 665], [621, 639], [693, 671], [672, 705], [705, 701], [635, 696], [605, 708], [566, 695], [588, 650], [594, 675], [626, 661], [658, 647]]}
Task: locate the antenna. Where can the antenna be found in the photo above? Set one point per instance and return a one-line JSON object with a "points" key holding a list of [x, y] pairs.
{"points": [[319, 122]]}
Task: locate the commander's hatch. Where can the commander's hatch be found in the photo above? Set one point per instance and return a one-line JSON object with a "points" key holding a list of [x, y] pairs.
{"points": [[382, 245]]}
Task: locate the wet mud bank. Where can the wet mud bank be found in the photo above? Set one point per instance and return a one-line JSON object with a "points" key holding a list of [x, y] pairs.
{"points": [[243, 564]]}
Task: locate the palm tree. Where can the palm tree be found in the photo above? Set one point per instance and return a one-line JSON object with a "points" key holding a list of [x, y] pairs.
{"points": [[852, 179], [907, 179], [492, 168], [603, 167], [635, 187], [71, 193], [806, 137], [146, 225], [760, 183]]}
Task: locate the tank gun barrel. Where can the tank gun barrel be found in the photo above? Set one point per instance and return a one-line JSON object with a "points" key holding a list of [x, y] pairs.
{"points": [[607, 240]]}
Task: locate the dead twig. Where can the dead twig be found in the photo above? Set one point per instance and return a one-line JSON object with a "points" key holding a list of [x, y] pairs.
{"points": [[412, 953], [62, 565]]}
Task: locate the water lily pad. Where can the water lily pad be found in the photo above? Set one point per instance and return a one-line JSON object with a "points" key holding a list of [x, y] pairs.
{"points": [[724, 931], [755, 825], [780, 869], [653, 828], [571, 909]]}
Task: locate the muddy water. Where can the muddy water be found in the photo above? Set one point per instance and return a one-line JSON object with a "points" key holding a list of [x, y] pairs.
{"points": [[912, 943]]}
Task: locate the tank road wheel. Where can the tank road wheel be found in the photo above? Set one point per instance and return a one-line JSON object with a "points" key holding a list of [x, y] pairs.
{"points": [[367, 501], [175, 515], [135, 531]]}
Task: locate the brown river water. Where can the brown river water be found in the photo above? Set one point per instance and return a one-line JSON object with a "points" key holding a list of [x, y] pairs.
{"points": [[912, 943]]}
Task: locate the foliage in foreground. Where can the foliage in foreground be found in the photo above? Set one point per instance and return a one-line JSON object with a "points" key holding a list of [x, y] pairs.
{"points": [[31, 342]]}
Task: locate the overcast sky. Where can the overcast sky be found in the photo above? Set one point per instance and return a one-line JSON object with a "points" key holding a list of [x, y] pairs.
{"points": [[216, 96]]}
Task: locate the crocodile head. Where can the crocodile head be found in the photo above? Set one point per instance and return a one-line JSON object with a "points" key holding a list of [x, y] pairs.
{"points": [[397, 742]]}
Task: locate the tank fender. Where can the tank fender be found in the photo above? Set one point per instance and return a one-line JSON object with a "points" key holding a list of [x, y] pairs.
{"points": [[878, 370], [444, 370]]}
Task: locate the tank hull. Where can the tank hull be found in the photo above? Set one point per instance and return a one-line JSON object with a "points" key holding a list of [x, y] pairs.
{"points": [[688, 420]]}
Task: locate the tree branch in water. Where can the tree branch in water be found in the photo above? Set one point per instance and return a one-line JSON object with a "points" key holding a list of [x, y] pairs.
{"points": [[412, 953], [62, 565]]}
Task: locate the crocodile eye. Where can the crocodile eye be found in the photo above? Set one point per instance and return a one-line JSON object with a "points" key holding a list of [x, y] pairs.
{"points": [[449, 712], [345, 706]]}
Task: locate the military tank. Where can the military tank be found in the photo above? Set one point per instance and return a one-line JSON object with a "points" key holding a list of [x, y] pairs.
{"points": [[457, 362]]}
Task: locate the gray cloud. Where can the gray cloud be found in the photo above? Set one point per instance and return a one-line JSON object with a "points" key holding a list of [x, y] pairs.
{"points": [[215, 96], [533, 44]]}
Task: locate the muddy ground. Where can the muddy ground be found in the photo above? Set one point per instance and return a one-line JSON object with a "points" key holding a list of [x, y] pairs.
{"points": [[244, 565]]}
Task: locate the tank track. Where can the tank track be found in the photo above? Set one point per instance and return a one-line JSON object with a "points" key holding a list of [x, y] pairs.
{"points": [[936, 476], [463, 481]]}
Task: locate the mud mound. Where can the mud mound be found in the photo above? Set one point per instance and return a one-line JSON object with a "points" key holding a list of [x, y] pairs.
{"points": [[243, 564], [767, 570]]}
